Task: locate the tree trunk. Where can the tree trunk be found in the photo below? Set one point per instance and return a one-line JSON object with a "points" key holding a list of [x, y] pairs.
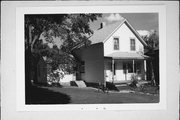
{"points": [[33, 42], [30, 60]]}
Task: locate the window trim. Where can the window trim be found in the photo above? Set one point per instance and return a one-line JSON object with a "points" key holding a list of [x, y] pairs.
{"points": [[132, 38], [82, 67], [118, 43]]}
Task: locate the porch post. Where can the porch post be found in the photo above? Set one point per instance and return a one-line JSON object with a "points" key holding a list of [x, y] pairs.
{"points": [[126, 71], [112, 70], [133, 66], [145, 69]]}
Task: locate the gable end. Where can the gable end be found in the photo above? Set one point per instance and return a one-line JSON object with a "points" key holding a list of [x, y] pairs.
{"points": [[135, 33], [131, 28]]}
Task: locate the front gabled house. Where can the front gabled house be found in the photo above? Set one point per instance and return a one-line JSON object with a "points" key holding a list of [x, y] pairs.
{"points": [[115, 54]]}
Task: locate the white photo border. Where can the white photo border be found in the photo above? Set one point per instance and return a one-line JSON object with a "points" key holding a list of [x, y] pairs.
{"points": [[20, 78]]}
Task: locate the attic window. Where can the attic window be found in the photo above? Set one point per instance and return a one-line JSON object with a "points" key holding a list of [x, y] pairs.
{"points": [[132, 44], [116, 43]]}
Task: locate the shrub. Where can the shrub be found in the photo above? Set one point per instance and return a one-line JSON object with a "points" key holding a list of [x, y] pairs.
{"points": [[111, 86], [134, 81]]}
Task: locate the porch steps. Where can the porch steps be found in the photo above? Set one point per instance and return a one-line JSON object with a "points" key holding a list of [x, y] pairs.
{"points": [[80, 84]]}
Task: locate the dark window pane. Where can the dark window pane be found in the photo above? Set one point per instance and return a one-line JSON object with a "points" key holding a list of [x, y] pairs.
{"points": [[124, 68], [130, 67], [116, 43], [133, 44], [82, 69]]}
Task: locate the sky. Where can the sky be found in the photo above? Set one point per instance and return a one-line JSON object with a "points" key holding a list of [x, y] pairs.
{"points": [[142, 22]]}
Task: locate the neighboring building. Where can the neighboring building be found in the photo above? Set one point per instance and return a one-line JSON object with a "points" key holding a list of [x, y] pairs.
{"points": [[44, 75], [115, 54]]}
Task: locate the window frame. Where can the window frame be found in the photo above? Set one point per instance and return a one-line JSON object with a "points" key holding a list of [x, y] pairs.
{"points": [[82, 67], [116, 37], [131, 44], [128, 67]]}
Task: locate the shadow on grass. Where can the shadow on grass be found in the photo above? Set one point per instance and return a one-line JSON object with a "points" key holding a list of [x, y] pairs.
{"points": [[109, 85], [37, 95]]}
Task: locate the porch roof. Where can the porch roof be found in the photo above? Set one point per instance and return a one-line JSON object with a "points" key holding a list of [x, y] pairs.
{"points": [[126, 55]]}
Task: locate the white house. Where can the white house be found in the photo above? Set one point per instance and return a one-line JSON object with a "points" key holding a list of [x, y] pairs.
{"points": [[115, 54]]}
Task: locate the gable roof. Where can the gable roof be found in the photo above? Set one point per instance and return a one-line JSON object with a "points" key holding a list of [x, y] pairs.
{"points": [[104, 33]]}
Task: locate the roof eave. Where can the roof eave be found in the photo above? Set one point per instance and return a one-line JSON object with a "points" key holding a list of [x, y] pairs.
{"points": [[114, 31], [136, 34], [128, 58], [132, 29]]}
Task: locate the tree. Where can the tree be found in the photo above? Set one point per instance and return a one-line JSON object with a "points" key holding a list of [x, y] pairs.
{"points": [[71, 29], [152, 50], [152, 41]]}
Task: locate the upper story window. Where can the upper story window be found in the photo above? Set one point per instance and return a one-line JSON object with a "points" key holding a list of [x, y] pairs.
{"points": [[132, 44], [116, 43]]}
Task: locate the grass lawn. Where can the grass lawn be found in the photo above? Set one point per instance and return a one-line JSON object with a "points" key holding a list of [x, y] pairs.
{"points": [[39, 95], [88, 95]]}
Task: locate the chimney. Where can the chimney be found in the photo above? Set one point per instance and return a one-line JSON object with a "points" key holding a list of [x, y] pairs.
{"points": [[102, 25]]}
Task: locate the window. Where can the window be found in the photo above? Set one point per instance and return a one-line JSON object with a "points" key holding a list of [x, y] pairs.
{"points": [[128, 67], [133, 45], [116, 43], [124, 68], [137, 67], [82, 67]]}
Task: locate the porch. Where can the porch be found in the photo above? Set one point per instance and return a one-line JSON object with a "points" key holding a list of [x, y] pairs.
{"points": [[119, 67]]}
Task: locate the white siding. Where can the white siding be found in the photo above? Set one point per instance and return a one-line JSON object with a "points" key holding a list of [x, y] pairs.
{"points": [[68, 78], [119, 71], [124, 34], [108, 69]]}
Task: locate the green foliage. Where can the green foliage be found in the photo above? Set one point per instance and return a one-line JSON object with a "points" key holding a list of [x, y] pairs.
{"points": [[134, 80], [152, 41], [41, 22], [72, 29]]}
